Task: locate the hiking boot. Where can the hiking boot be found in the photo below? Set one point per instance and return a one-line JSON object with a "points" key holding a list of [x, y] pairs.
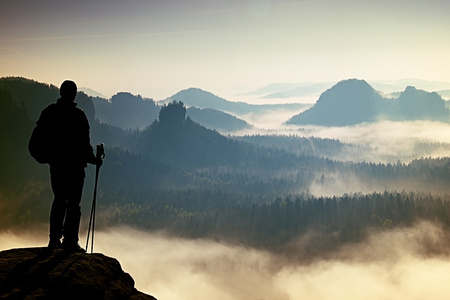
{"points": [[54, 244], [73, 247]]}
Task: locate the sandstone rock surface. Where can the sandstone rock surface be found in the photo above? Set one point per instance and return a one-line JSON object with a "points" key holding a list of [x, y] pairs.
{"points": [[42, 273]]}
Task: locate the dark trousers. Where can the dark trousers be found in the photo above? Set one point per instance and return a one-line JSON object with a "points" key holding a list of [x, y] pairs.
{"points": [[67, 185]]}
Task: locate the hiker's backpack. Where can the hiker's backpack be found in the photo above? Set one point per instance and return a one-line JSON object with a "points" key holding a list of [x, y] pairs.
{"points": [[38, 145]]}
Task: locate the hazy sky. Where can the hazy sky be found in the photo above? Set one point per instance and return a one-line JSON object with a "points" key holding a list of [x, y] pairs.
{"points": [[156, 48]]}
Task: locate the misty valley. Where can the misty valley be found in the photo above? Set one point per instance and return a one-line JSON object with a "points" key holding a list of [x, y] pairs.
{"points": [[329, 176]]}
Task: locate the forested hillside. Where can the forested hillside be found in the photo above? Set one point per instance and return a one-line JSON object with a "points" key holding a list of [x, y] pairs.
{"points": [[218, 120], [131, 112], [177, 176], [126, 111]]}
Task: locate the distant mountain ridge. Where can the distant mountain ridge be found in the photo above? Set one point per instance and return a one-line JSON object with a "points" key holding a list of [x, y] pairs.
{"points": [[91, 92], [123, 110], [35, 96], [310, 89], [126, 110], [349, 102], [129, 111], [354, 101], [202, 99], [302, 91], [215, 119], [288, 90]]}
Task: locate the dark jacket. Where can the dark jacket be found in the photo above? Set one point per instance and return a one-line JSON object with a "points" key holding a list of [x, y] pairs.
{"points": [[67, 133]]}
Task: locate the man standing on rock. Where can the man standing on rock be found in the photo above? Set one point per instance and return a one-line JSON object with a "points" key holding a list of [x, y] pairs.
{"points": [[65, 132]]}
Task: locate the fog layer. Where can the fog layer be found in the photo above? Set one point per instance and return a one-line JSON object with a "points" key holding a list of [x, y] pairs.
{"points": [[399, 264], [387, 141]]}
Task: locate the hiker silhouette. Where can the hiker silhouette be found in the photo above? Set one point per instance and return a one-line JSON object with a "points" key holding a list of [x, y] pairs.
{"points": [[64, 135]]}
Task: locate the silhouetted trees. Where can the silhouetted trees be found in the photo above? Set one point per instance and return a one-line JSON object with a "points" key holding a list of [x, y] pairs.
{"points": [[15, 129], [172, 115], [126, 111], [176, 175], [276, 224]]}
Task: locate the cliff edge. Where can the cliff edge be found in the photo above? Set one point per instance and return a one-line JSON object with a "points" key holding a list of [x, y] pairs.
{"points": [[41, 273]]}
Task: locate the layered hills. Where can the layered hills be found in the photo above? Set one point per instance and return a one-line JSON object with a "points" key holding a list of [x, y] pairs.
{"points": [[126, 110], [123, 110], [354, 101], [180, 177], [348, 102], [203, 99], [129, 111]]}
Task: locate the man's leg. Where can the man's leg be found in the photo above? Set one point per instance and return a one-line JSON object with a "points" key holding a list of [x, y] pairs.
{"points": [[56, 220], [58, 210], [73, 213]]}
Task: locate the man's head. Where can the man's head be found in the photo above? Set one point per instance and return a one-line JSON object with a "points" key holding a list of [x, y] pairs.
{"points": [[68, 90]]}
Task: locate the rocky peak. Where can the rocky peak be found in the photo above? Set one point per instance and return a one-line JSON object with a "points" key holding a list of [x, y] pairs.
{"points": [[41, 273]]}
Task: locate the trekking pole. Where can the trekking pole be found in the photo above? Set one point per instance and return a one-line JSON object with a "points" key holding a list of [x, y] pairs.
{"points": [[100, 155]]}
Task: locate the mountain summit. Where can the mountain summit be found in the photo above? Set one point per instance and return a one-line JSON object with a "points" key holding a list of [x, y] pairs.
{"points": [[41, 273], [194, 97], [354, 101], [348, 102]]}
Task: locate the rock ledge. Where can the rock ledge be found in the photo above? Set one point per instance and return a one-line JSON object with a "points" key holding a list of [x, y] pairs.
{"points": [[41, 273]]}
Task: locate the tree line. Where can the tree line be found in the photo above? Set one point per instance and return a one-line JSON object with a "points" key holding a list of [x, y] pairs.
{"points": [[276, 224], [177, 176]]}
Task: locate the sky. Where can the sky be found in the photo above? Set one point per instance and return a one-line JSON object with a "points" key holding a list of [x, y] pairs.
{"points": [[156, 48]]}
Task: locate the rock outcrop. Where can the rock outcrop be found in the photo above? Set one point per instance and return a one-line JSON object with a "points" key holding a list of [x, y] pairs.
{"points": [[354, 101], [42, 273]]}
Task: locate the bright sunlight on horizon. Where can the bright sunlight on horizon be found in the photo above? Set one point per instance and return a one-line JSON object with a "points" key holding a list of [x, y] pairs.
{"points": [[156, 48], [335, 188]]}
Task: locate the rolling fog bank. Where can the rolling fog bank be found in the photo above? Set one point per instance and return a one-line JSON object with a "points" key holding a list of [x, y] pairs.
{"points": [[409, 263], [380, 142]]}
